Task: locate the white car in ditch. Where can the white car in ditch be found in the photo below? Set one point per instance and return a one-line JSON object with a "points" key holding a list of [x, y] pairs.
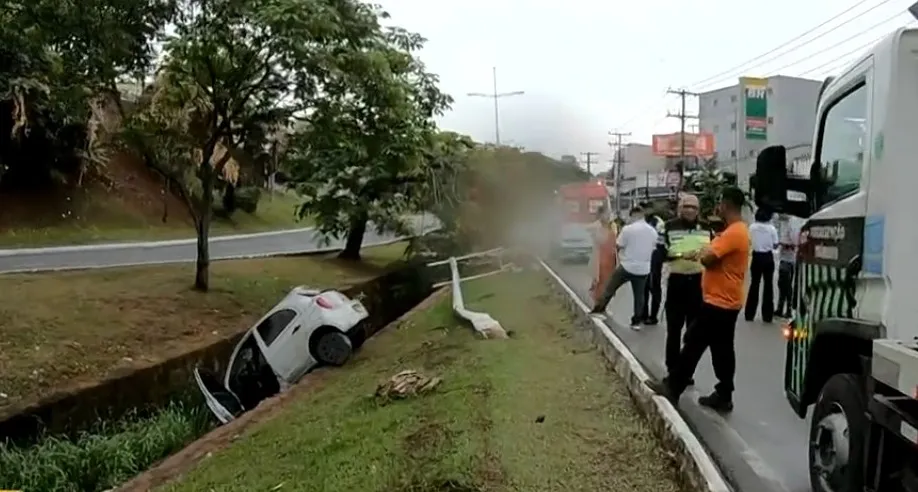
{"points": [[307, 328]]}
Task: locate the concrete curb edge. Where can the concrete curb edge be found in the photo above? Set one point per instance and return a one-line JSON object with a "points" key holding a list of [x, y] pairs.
{"points": [[696, 466], [144, 244], [313, 251]]}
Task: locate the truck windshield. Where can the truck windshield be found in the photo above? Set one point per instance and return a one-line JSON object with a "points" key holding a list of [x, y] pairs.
{"points": [[842, 142]]}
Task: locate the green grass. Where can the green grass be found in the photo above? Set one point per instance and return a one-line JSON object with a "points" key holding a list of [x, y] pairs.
{"points": [[113, 318], [537, 412], [104, 458], [275, 212]]}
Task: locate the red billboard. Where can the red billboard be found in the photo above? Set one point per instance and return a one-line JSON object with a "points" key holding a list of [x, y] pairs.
{"points": [[696, 145]]}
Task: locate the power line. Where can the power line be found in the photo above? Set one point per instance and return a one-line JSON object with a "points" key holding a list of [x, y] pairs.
{"points": [[647, 109], [849, 9], [835, 65], [743, 66], [817, 53]]}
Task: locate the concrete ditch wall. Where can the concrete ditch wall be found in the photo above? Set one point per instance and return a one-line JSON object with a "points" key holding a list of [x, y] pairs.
{"points": [[145, 388], [696, 467]]}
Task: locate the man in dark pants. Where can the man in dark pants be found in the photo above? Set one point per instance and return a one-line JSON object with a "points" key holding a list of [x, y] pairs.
{"points": [[764, 238], [789, 235], [653, 288], [636, 242], [682, 236], [722, 282]]}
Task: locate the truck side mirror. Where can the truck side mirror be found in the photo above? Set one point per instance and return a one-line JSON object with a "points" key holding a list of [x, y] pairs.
{"points": [[771, 178]]}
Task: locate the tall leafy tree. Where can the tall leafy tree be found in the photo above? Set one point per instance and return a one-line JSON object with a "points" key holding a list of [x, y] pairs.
{"points": [[235, 68], [56, 57], [360, 157]]}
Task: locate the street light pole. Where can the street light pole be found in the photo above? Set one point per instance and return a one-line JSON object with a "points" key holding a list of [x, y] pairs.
{"points": [[496, 96]]}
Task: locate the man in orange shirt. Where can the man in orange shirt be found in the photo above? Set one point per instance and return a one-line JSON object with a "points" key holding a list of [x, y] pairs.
{"points": [[725, 263]]}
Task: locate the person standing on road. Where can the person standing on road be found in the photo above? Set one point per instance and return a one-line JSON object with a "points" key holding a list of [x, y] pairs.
{"points": [[636, 243], [653, 288], [725, 263], [764, 243], [682, 237], [603, 259], [789, 235]]}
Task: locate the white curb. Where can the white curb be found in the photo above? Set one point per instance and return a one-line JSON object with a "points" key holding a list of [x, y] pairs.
{"points": [[278, 254], [146, 244], [697, 467]]}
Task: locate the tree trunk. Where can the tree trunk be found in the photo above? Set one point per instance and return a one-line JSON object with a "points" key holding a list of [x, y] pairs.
{"points": [[202, 226], [165, 199], [354, 241]]}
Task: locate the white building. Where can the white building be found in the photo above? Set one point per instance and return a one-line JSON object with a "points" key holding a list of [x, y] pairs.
{"points": [[757, 113]]}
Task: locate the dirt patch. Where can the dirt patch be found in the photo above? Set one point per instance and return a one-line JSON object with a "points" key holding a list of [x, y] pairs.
{"points": [[60, 332], [428, 437]]}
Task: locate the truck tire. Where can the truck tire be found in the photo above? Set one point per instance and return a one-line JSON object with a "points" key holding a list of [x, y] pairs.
{"points": [[837, 436]]}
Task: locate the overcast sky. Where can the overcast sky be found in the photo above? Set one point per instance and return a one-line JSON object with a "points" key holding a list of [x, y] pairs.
{"points": [[590, 66]]}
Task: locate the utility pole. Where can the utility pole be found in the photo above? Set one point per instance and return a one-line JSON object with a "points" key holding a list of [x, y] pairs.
{"points": [[619, 156], [589, 162], [496, 96], [683, 117]]}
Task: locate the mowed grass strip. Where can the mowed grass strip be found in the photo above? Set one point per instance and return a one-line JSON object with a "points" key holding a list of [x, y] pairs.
{"points": [[537, 412], [106, 220], [59, 328]]}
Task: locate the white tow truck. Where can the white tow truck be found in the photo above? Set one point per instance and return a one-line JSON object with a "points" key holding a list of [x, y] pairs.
{"points": [[852, 345]]}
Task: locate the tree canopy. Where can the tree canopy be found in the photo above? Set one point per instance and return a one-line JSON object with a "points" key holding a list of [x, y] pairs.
{"points": [[362, 153], [331, 87]]}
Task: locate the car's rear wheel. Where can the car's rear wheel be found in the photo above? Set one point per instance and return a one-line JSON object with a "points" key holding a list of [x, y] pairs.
{"points": [[333, 348]]}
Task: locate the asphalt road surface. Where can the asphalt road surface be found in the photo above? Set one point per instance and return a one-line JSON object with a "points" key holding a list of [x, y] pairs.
{"points": [[762, 445], [110, 255]]}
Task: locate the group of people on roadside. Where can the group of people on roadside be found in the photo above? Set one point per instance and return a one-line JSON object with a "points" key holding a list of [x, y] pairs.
{"points": [[705, 287]]}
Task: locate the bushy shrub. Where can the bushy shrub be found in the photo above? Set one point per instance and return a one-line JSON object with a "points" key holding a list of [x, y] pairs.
{"points": [[247, 199]]}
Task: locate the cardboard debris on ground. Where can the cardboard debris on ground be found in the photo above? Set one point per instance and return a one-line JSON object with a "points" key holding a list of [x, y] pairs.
{"points": [[404, 385]]}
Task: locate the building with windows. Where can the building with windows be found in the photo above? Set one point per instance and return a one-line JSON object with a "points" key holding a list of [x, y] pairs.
{"points": [[757, 113]]}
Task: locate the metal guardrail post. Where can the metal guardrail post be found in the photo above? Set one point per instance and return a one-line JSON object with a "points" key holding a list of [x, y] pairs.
{"points": [[484, 324]]}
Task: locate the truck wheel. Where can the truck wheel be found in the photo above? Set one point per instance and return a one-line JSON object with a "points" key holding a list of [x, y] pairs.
{"points": [[333, 348], [837, 433]]}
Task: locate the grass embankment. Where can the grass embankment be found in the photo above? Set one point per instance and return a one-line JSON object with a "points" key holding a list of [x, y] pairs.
{"points": [[57, 329], [105, 457], [107, 223], [537, 412]]}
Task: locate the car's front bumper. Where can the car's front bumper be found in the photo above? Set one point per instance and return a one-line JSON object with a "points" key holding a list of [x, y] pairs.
{"points": [[569, 254]]}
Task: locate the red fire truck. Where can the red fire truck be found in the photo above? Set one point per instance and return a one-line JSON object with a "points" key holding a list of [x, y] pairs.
{"points": [[579, 203]]}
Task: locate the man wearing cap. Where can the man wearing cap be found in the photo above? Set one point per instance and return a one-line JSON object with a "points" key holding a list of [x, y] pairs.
{"points": [[681, 237], [725, 262]]}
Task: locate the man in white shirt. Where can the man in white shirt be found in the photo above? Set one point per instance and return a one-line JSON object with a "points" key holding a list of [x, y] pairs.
{"points": [[764, 237], [789, 235], [636, 244]]}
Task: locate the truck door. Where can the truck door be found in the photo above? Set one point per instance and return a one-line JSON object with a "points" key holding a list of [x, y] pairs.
{"points": [[831, 241]]}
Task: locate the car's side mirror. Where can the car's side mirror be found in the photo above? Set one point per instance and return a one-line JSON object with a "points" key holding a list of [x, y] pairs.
{"points": [[771, 178]]}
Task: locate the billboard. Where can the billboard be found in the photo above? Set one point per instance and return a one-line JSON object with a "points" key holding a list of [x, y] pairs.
{"points": [[755, 107], [696, 145]]}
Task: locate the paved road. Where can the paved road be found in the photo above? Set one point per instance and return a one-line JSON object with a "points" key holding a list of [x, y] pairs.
{"points": [[109, 255], [762, 445]]}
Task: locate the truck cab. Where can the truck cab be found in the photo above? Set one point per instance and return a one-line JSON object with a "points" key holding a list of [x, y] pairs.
{"points": [[850, 345], [578, 205]]}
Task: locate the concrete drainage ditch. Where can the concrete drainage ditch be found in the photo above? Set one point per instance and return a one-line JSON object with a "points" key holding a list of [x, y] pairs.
{"points": [[100, 435]]}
